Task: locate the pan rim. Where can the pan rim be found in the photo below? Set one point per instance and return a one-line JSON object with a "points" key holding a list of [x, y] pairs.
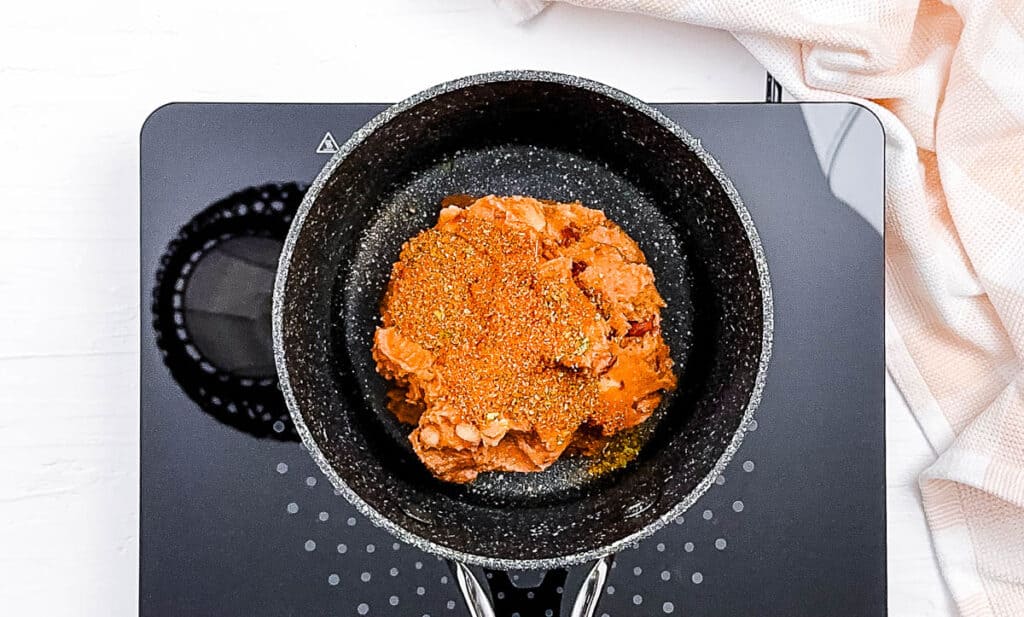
{"points": [[281, 280]]}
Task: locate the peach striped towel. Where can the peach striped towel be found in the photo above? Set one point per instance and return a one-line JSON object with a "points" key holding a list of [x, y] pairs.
{"points": [[947, 81]]}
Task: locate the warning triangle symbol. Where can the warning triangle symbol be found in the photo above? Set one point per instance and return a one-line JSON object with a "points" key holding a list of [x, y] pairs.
{"points": [[327, 144]]}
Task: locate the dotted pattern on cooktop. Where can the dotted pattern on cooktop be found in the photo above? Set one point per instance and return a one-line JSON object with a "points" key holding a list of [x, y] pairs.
{"points": [[374, 574]]}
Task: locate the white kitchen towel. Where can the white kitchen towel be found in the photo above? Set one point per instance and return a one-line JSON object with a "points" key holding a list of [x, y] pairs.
{"points": [[947, 81]]}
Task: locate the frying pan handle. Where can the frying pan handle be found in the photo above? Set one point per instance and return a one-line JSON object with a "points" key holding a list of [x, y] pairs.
{"points": [[505, 599], [590, 591]]}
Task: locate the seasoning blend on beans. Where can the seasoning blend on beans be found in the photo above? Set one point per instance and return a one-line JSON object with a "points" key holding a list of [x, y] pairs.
{"points": [[517, 329]]}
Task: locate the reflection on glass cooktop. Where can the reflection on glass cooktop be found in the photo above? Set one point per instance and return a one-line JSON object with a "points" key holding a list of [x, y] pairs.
{"points": [[237, 520], [211, 307]]}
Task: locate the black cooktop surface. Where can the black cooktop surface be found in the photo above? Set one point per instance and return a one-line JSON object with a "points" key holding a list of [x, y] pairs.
{"points": [[237, 520]]}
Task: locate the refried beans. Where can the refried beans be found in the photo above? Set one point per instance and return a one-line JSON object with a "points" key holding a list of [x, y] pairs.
{"points": [[515, 328]]}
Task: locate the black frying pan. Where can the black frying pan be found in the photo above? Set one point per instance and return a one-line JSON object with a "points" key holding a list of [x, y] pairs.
{"points": [[548, 136]]}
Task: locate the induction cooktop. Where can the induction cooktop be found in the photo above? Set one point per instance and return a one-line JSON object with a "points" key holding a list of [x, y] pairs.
{"points": [[236, 519]]}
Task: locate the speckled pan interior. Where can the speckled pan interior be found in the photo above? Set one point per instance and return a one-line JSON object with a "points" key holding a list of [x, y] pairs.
{"points": [[549, 136]]}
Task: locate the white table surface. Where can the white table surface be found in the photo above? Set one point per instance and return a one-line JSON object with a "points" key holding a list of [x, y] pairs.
{"points": [[76, 82]]}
